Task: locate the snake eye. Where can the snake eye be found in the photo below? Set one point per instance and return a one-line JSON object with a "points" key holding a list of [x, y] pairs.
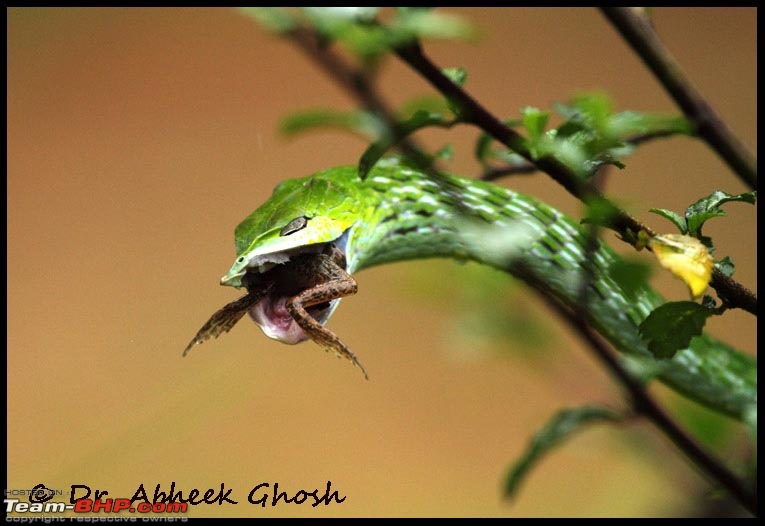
{"points": [[293, 226]]}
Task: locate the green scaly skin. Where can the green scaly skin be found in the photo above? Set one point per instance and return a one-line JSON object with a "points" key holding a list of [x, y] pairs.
{"points": [[398, 213]]}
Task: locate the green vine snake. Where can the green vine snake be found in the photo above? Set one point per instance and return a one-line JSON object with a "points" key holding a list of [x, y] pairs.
{"points": [[296, 254]]}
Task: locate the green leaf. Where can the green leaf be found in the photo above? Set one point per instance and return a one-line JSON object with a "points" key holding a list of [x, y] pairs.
{"points": [[569, 153], [535, 121], [352, 14], [456, 75], [695, 221], [351, 26], [414, 23], [429, 103], [632, 276], [630, 123], [725, 266], [334, 20], [459, 77], [371, 155], [599, 137], [708, 207], [277, 19], [483, 147], [562, 425], [362, 122], [377, 149], [484, 152], [446, 153], [596, 107], [670, 327], [677, 219]]}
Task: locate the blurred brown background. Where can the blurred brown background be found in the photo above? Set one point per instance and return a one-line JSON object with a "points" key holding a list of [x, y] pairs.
{"points": [[138, 139]]}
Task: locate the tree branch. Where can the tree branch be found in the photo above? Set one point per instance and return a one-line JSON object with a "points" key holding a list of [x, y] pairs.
{"points": [[646, 406], [637, 30], [357, 86], [629, 227], [642, 403]]}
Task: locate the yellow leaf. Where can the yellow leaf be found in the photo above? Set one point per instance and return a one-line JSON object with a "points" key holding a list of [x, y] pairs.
{"points": [[687, 258]]}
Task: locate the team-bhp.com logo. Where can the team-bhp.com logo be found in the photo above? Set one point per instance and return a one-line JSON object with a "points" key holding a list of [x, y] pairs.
{"points": [[40, 501]]}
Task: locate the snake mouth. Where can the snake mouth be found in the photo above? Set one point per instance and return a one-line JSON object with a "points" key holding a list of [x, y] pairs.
{"points": [[273, 318], [288, 276]]}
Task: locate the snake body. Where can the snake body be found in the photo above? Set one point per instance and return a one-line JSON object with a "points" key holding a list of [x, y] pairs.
{"points": [[399, 213]]}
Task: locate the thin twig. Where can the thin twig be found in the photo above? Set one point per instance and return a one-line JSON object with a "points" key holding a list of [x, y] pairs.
{"points": [[472, 111], [637, 30]]}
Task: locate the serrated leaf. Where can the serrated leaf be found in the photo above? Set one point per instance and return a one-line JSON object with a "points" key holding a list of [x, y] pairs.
{"points": [[725, 266], [361, 122], [560, 427], [687, 258], [708, 207], [670, 327], [677, 219]]}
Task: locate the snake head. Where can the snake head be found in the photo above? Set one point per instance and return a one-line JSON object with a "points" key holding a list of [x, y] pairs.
{"points": [[301, 216]]}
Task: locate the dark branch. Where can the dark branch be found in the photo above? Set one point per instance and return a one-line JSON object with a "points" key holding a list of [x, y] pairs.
{"points": [[639, 33], [642, 402], [645, 405], [629, 227]]}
